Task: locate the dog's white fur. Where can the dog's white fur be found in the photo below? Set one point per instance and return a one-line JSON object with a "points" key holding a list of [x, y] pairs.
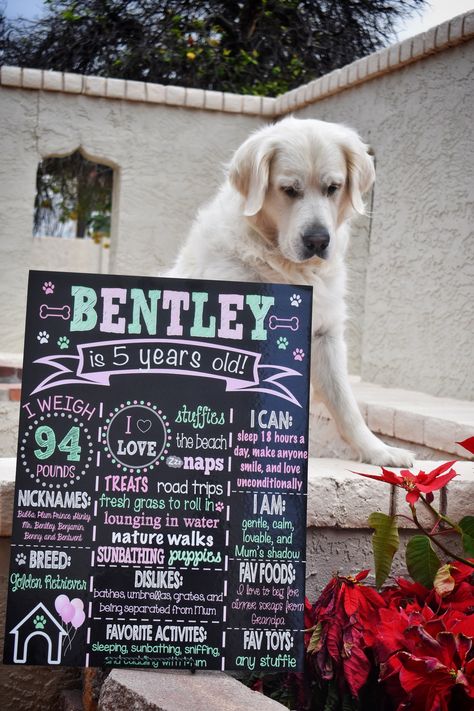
{"points": [[289, 180]]}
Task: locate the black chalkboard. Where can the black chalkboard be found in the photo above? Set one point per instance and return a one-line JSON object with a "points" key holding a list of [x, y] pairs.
{"points": [[160, 505]]}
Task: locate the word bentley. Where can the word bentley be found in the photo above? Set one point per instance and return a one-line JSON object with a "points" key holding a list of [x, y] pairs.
{"points": [[165, 309]]}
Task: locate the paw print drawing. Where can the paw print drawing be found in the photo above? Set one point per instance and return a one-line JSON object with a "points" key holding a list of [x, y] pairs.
{"points": [[20, 558], [43, 337], [298, 354], [48, 287], [219, 506], [295, 300], [39, 622], [282, 343], [63, 342]]}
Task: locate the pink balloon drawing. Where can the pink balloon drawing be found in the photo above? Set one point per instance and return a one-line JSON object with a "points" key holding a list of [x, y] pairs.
{"points": [[78, 619], [59, 602], [71, 613]]}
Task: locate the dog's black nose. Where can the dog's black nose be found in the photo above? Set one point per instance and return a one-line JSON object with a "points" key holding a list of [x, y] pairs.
{"points": [[316, 241]]}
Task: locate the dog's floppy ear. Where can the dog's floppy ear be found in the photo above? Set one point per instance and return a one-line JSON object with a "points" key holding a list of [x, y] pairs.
{"points": [[249, 171], [360, 170]]}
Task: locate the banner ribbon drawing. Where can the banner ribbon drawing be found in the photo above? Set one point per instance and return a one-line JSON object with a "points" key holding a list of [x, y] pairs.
{"points": [[96, 362]]}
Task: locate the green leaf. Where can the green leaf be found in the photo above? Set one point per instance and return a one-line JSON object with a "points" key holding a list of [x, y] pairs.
{"points": [[467, 526], [349, 704], [422, 561], [385, 542], [332, 698]]}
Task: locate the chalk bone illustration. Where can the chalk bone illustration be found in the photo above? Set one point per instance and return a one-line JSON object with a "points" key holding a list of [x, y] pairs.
{"points": [[63, 312], [38, 622], [292, 323]]}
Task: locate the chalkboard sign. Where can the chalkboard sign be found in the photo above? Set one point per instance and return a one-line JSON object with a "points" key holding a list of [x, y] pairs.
{"points": [[160, 505]]}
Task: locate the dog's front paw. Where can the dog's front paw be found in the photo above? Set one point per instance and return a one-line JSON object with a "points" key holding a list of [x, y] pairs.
{"points": [[386, 456]]}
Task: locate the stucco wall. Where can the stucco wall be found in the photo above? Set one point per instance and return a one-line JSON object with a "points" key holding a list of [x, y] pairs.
{"points": [[411, 268], [168, 161], [418, 326]]}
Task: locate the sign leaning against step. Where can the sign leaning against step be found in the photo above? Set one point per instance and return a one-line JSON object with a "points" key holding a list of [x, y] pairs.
{"points": [[160, 504]]}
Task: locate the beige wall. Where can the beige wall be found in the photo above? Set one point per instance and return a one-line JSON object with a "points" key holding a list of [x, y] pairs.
{"points": [[411, 269], [418, 322], [168, 161]]}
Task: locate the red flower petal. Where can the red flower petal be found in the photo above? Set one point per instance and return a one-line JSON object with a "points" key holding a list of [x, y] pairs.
{"points": [[356, 669], [351, 599], [387, 476], [440, 470], [464, 626], [468, 444], [412, 497], [438, 483]]}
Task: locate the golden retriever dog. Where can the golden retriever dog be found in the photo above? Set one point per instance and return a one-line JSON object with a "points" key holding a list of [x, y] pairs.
{"points": [[283, 216]]}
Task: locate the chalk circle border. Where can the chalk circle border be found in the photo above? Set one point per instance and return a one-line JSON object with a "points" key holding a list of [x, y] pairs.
{"points": [[64, 483]]}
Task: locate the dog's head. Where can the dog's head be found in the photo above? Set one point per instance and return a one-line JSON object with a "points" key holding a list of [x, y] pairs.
{"points": [[300, 181]]}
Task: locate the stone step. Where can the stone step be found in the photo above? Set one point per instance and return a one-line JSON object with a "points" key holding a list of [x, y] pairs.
{"points": [[336, 496], [126, 689], [428, 425], [71, 700]]}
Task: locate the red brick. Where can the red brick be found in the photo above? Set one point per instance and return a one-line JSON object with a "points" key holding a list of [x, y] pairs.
{"points": [[14, 394]]}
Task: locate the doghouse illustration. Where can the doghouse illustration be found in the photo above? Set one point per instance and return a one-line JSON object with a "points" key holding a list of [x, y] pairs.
{"points": [[38, 622]]}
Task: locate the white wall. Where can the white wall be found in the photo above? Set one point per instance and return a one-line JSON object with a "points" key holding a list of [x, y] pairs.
{"points": [[418, 324], [167, 161], [411, 269]]}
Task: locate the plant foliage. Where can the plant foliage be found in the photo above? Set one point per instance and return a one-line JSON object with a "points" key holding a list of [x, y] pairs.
{"points": [[262, 47], [385, 542], [73, 190]]}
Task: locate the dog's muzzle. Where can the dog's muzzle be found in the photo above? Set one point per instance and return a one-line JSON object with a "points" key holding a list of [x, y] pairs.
{"points": [[315, 242]]}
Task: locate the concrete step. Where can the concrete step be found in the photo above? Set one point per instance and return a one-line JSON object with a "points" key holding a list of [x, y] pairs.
{"points": [[336, 496], [71, 700], [166, 690], [430, 426]]}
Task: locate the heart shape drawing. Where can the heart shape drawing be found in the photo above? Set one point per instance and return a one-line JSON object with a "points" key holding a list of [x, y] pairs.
{"points": [[144, 425]]}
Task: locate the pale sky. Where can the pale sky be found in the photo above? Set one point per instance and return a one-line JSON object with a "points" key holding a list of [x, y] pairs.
{"points": [[435, 12]]}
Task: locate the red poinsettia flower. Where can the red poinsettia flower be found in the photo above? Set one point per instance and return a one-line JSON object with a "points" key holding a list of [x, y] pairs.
{"points": [[416, 484], [344, 626], [425, 657], [404, 593], [428, 675]]}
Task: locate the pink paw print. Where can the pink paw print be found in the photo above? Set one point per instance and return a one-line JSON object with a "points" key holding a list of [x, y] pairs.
{"points": [[219, 506], [298, 354], [48, 287]]}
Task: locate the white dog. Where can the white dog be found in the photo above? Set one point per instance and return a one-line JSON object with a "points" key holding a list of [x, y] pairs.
{"points": [[282, 216]]}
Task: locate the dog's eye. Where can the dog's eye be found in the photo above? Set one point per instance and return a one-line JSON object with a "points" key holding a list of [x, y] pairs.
{"points": [[332, 189], [291, 191]]}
